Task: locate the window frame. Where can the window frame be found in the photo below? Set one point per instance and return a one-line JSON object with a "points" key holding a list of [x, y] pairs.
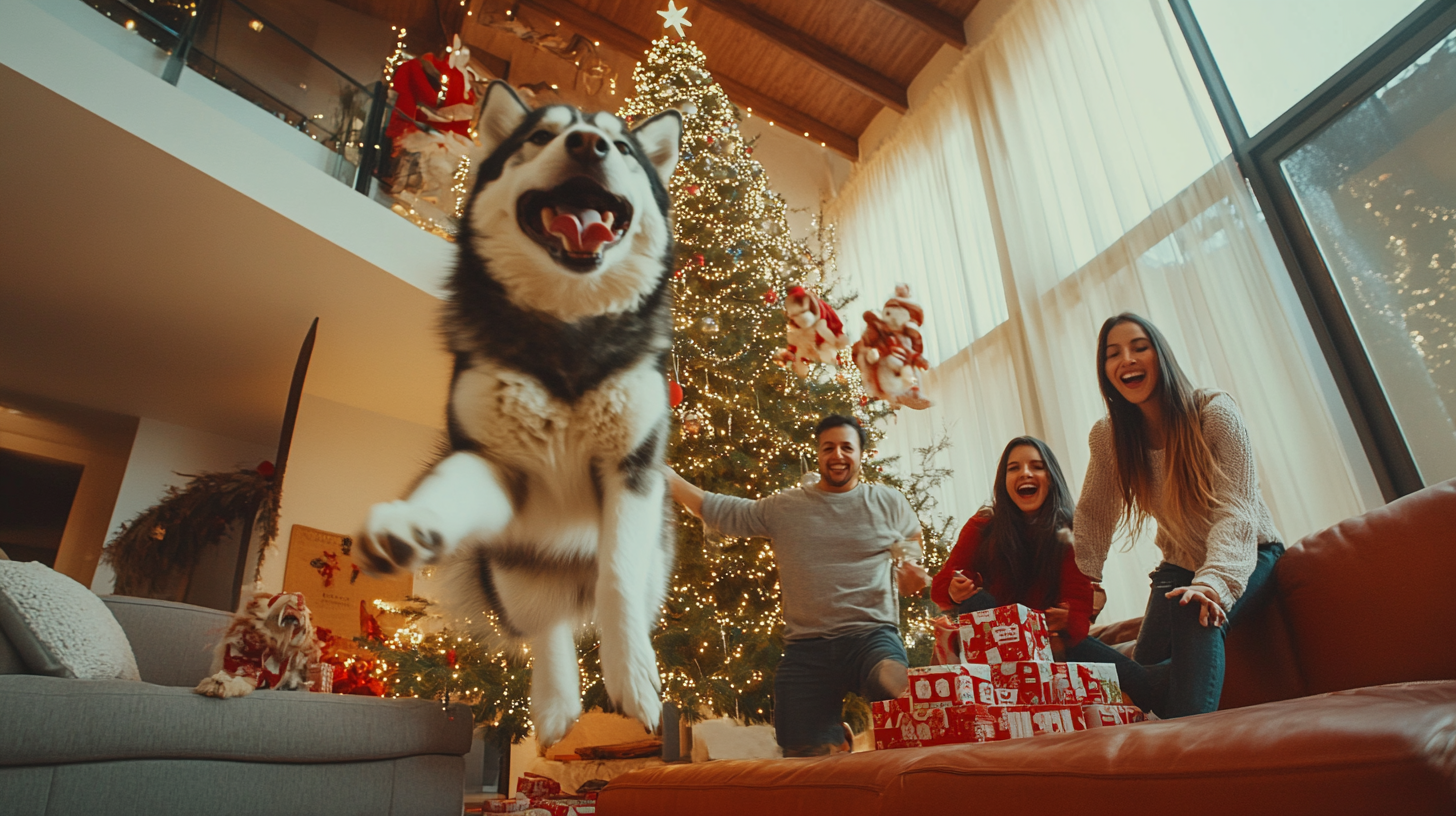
{"points": [[1259, 157]]}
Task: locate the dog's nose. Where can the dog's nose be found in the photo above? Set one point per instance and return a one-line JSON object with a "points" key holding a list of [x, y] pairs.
{"points": [[586, 147]]}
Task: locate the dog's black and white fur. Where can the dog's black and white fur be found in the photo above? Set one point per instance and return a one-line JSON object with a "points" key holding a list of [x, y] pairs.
{"points": [[549, 507]]}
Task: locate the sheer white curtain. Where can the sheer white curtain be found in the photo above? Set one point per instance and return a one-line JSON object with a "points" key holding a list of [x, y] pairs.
{"points": [[1070, 168]]}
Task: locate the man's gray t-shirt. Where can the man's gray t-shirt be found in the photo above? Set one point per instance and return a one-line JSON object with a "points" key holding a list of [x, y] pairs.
{"points": [[832, 549]]}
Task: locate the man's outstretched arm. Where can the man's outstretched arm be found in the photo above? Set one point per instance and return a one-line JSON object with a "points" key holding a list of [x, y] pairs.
{"points": [[684, 492]]}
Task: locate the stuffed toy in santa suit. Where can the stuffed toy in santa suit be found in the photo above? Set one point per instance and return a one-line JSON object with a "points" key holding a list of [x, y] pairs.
{"points": [[891, 350], [814, 334], [434, 91]]}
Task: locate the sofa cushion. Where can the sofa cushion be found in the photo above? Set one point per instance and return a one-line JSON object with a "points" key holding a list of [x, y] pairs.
{"points": [[1364, 598], [51, 720], [60, 628], [1372, 750], [174, 642]]}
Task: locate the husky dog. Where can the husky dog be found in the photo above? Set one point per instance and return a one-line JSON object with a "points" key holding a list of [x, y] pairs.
{"points": [[549, 506]]}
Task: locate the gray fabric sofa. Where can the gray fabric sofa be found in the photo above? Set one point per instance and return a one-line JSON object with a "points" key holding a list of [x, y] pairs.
{"points": [[115, 747]]}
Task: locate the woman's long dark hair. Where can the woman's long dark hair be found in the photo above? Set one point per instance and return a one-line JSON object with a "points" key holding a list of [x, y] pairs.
{"points": [[1025, 550], [1190, 470]]}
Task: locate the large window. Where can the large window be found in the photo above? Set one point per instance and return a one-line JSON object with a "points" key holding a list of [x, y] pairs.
{"points": [[1272, 53], [1353, 165], [1378, 188]]}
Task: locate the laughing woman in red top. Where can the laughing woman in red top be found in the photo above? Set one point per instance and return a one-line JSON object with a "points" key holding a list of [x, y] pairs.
{"points": [[1021, 547]]}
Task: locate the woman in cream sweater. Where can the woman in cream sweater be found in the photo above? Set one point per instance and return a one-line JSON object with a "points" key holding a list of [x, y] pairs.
{"points": [[1183, 459]]}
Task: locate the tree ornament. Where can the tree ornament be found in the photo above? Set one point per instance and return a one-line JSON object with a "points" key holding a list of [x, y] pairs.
{"points": [[708, 324], [710, 140], [698, 259], [891, 350], [814, 333], [692, 423], [674, 393], [691, 189], [771, 296], [265, 469], [675, 18]]}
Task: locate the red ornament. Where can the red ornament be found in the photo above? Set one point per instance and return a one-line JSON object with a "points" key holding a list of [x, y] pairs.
{"points": [[748, 150], [677, 273], [266, 469], [771, 297], [674, 393], [370, 626], [863, 401], [450, 658], [691, 189], [698, 259], [710, 140]]}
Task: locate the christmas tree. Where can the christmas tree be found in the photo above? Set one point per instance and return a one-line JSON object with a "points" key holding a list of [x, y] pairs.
{"points": [[743, 425]]}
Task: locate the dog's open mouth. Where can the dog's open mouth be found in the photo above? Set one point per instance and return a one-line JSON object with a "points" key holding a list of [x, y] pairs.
{"points": [[575, 221]]}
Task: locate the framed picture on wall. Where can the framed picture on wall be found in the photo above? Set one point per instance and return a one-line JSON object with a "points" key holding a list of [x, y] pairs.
{"points": [[321, 565]]}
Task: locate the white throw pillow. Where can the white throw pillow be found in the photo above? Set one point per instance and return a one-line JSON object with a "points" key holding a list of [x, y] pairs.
{"points": [[61, 628]]}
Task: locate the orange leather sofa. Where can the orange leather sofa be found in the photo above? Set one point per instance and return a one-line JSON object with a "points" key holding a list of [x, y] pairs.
{"points": [[1340, 697]]}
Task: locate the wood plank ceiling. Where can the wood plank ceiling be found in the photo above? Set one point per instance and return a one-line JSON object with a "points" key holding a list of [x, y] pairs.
{"points": [[821, 67]]}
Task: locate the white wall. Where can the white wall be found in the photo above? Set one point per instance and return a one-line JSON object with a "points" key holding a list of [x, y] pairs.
{"points": [[98, 441], [801, 171], [160, 453], [343, 460]]}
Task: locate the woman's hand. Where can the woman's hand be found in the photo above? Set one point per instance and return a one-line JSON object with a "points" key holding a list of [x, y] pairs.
{"points": [[1209, 607], [1056, 618], [960, 587]]}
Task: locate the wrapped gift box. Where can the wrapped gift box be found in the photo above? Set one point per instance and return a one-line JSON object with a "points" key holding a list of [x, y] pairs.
{"points": [[535, 786], [947, 640], [1024, 682], [886, 713], [1004, 634], [1086, 683], [941, 725], [1100, 716], [504, 806], [1019, 721], [956, 684]]}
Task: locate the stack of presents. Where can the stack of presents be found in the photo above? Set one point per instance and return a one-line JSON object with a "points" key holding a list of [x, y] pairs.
{"points": [[537, 794], [999, 682]]}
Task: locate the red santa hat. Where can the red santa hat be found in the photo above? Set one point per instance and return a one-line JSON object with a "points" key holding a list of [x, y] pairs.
{"points": [[904, 301]]}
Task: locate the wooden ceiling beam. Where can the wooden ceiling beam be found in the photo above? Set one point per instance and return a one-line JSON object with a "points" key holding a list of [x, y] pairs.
{"points": [[845, 69], [781, 115], [590, 24], [928, 18]]}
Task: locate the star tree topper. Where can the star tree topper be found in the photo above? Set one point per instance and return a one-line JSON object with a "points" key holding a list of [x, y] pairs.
{"points": [[675, 18]]}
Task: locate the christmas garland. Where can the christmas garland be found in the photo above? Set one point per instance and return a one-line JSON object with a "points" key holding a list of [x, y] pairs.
{"points": [[166, 540]]}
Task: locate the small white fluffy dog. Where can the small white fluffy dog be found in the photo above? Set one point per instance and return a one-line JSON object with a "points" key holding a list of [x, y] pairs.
{"points": [[269, 644]]}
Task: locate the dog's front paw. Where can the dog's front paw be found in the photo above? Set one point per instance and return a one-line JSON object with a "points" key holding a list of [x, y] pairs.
{"points": [[553, 718], [634, 688], [225, 685], [401, 536]]}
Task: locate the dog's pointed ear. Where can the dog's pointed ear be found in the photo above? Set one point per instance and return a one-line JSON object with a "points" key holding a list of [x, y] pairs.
{"points": [[661, 140], [502, 113]]}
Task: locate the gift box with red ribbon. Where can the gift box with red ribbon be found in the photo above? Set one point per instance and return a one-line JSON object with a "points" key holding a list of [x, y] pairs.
{"points": [[1019, 721], [900, 726], [1086, 683], [956, 684], [1004, 634], [535, 786], [1101, 716], [1024, 682]]}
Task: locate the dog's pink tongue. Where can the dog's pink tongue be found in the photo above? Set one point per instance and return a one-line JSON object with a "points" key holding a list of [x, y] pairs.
{"points": [[584, 232]]}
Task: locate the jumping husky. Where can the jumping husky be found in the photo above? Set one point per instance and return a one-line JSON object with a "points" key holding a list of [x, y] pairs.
{"points": [[549, 506]]}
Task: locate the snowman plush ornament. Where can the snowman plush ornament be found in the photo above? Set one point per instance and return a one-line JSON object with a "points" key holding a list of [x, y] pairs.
{"points": [[891, 350], [814, 334]]}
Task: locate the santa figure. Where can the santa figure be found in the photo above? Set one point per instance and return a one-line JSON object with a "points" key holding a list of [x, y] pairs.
{"points": [[436, 92], [815, 334], [891, 350]]}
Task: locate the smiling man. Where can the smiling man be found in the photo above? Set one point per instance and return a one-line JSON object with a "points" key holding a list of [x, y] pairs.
{"points": [[833, 542]]}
